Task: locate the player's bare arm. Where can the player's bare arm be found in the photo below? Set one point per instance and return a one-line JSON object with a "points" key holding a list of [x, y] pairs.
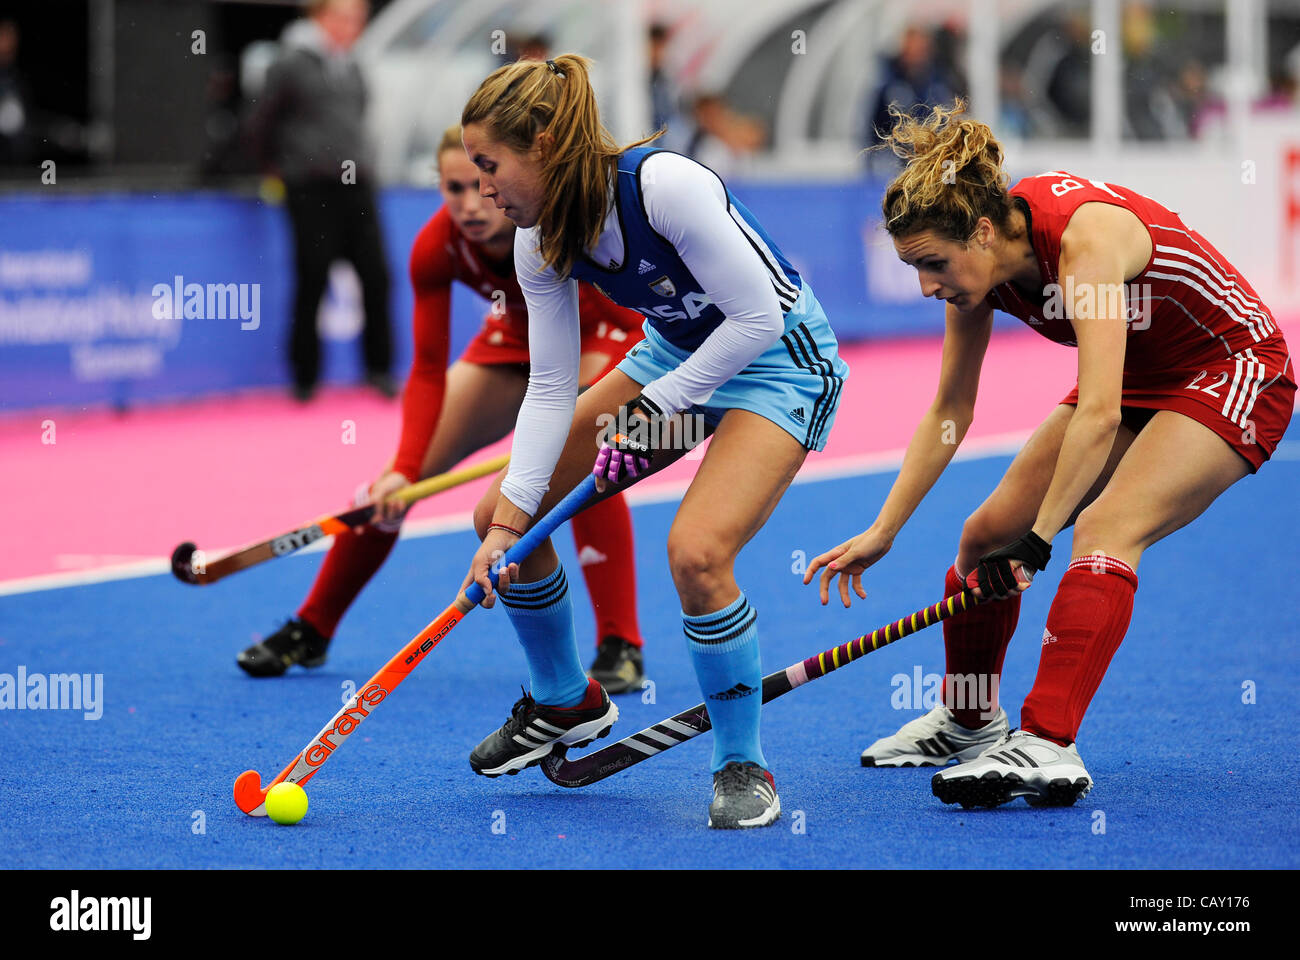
{"points": [[1102, 247], [935, 440]]}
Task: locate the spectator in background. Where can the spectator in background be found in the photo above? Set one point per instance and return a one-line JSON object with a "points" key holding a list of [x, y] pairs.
{"points": [[1282, 99], [948, 42], [724, 139], [1185, 100], [1283, 91], [307, 129], [1014, 119], [223, 153], [1148, 114], [665, 99], [914, 77], [15, 109], [535, 46], [1069, 82]]}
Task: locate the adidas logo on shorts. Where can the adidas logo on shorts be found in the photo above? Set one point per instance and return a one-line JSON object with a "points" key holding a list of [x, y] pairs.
{"points": [[645, 267], [798, 416]]}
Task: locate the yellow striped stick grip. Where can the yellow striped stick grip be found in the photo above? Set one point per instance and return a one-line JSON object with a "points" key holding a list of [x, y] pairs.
{"points": [[587, 769], [836, 657]]}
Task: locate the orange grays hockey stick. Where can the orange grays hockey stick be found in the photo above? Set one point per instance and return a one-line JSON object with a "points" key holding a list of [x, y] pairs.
{"points": [[250, 795]]}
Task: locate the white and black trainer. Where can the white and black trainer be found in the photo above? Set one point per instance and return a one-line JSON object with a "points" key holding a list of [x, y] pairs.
{"points": [[1022, 764], [534, 729], [934, 740], [744, 795]]}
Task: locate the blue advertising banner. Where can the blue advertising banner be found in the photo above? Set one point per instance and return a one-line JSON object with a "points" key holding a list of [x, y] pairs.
{"points": [[122, 298]]}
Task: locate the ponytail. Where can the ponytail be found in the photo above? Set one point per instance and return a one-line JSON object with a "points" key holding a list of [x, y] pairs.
{"points": [[953, 175], [579, 155]]}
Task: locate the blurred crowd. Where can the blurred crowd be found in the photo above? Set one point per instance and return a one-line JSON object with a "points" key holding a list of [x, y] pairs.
{"points": [[1173, 81], [701, 124]]}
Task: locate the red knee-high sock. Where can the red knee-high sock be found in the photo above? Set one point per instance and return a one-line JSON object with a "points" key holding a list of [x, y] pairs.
{"points": [[349, 565], [603, 536], [1087, 621], [975, 644]]}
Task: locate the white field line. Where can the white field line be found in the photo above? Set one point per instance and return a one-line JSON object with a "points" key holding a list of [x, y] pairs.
{"points": [[884, 461]]}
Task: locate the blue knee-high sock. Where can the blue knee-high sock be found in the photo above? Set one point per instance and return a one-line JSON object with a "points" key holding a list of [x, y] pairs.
{"points": [[542, 615], [724, 647]]}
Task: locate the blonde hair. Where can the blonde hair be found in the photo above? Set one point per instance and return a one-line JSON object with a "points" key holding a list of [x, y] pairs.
{"points": [[451, 140], [518, 101], [953, 175]]}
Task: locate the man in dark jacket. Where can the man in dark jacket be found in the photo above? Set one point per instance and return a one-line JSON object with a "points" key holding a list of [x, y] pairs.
{"points": [[307, 129], [915, 77]]}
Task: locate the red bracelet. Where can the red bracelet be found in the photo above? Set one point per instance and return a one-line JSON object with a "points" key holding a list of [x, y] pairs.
{"points": [[502, 526]]}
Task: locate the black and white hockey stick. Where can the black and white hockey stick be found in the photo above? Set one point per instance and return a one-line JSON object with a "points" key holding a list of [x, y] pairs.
{"points": [[585, 770]]}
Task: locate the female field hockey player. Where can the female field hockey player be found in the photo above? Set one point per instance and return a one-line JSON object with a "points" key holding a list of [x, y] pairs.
{"points": [[1184, 387], [733, 334], [448, 414]]}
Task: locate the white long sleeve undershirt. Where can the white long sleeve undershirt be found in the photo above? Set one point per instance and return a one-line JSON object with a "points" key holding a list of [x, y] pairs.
{"points": [[687, 205]]}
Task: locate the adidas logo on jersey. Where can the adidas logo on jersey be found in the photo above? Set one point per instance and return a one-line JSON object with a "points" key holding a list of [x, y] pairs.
{"points": [[645, 267], [735, 693], [589, 555], [1048, 637], [798, 416]]}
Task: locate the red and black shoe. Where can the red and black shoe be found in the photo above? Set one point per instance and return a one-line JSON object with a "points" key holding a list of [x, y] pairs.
{"points": [[534, 729]]}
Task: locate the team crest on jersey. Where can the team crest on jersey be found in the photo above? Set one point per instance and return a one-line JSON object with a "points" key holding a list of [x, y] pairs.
{"points": [[664, 287]]}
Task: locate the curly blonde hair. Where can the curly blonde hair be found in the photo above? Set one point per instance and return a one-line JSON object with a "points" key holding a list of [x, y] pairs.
{"points": [[953, 175], [521, 99]]}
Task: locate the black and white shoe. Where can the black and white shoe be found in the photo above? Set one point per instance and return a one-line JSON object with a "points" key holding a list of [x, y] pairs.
{"points": [[1042, 771], [618, 666], [933, 740], [534, 729], [296, 642], [744, 795]]}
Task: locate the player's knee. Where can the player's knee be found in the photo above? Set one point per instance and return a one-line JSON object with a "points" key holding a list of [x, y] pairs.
{"points": [[981, 533], [1098, 529], [695, 560]]}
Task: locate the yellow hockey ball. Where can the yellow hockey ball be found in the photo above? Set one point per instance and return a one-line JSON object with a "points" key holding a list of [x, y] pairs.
{"points": [[286, 803]]}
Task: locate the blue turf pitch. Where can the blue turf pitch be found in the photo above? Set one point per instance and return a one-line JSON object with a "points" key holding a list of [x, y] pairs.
{"points": [[1187, 774]]}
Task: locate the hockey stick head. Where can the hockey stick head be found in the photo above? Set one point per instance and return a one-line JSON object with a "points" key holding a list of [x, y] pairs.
{"points": [[587, 769], [250, 795], [183, 562], [554, 762]]}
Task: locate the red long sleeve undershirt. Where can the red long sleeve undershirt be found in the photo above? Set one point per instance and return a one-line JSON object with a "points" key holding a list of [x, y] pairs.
{"points": [[431, 275]]}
